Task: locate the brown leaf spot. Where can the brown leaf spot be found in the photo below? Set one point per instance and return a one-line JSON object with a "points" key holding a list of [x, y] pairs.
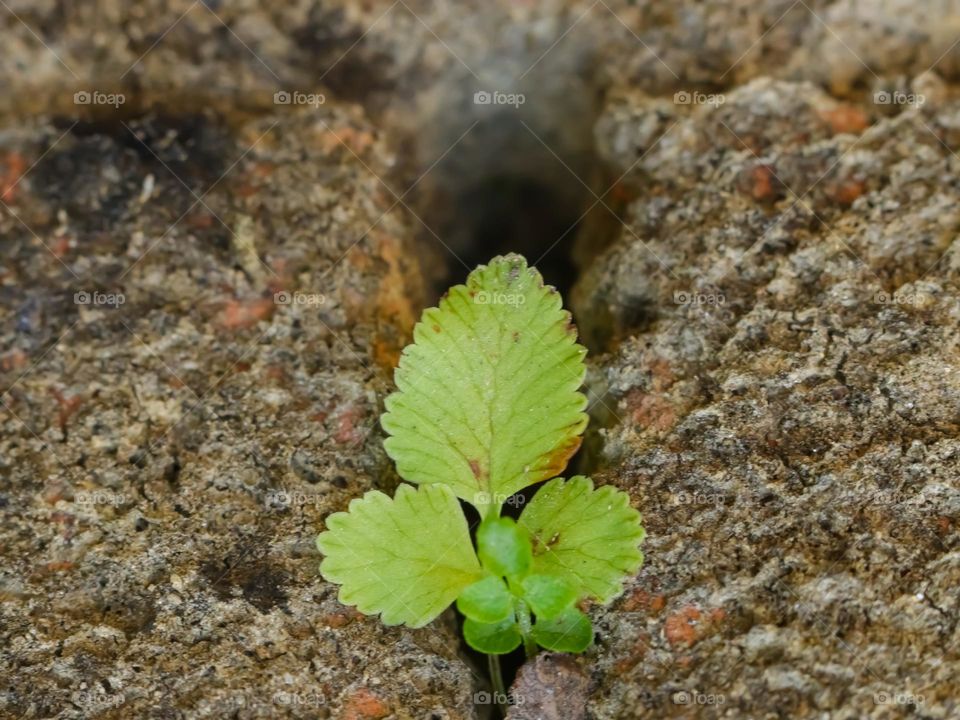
{"points": [[554, 463]]}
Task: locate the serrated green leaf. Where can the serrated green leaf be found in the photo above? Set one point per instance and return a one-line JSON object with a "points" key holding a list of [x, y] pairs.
{"points": [[407, 558], [487, 600], [487, 397], [492, 638], [504, 547], [570, 632], [548, 595], [589, 537]]}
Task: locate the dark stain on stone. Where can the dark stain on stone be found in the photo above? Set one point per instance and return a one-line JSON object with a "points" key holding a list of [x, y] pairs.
{"points": [[130, 612], [103, 164], [350, 67], [260, 582]]}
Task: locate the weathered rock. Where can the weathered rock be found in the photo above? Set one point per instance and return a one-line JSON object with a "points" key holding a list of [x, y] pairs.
{"points": [[550, 687], [197, 323], [785, 412]]}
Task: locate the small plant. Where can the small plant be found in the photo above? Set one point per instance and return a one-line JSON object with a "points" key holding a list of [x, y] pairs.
{"points": [[487, 404]]}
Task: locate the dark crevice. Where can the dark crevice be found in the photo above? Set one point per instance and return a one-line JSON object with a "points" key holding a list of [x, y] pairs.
{"points": [[491, 181], [515, 213]]}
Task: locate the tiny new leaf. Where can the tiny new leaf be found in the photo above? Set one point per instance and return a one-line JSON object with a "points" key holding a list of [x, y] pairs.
{"points": [[487, 600], [492, 638], [548, 596], [570, 631], [504, 547], [488, 397], [407, 558], [588, 537]]}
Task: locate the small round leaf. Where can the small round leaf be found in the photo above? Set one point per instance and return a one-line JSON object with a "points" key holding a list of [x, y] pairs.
{"points": [[487, 601], [548, 595], [569, 632], [492, 638], [504, 547]]}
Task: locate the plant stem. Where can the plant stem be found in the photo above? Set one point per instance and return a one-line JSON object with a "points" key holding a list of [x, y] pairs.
{"points": [[496, 678], [523, 618]]}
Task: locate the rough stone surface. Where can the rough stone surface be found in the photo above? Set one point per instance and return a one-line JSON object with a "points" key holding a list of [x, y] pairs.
{"points": [[766, 199], [167, 460], [784, 388]]}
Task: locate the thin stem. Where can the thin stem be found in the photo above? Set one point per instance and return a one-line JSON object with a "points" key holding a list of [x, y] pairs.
{"points": [[496, 678], [523, 618]]}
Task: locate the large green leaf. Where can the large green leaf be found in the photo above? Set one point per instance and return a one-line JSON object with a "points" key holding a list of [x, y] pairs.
{"points": [[487, 399], [589, 537], [407, 558]]}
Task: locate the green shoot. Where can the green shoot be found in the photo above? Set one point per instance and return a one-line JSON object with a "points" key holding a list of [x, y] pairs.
{"points": [[488, 403]]}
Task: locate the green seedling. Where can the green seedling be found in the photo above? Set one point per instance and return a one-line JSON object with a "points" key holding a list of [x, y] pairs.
{"points": [[488, 403]]}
